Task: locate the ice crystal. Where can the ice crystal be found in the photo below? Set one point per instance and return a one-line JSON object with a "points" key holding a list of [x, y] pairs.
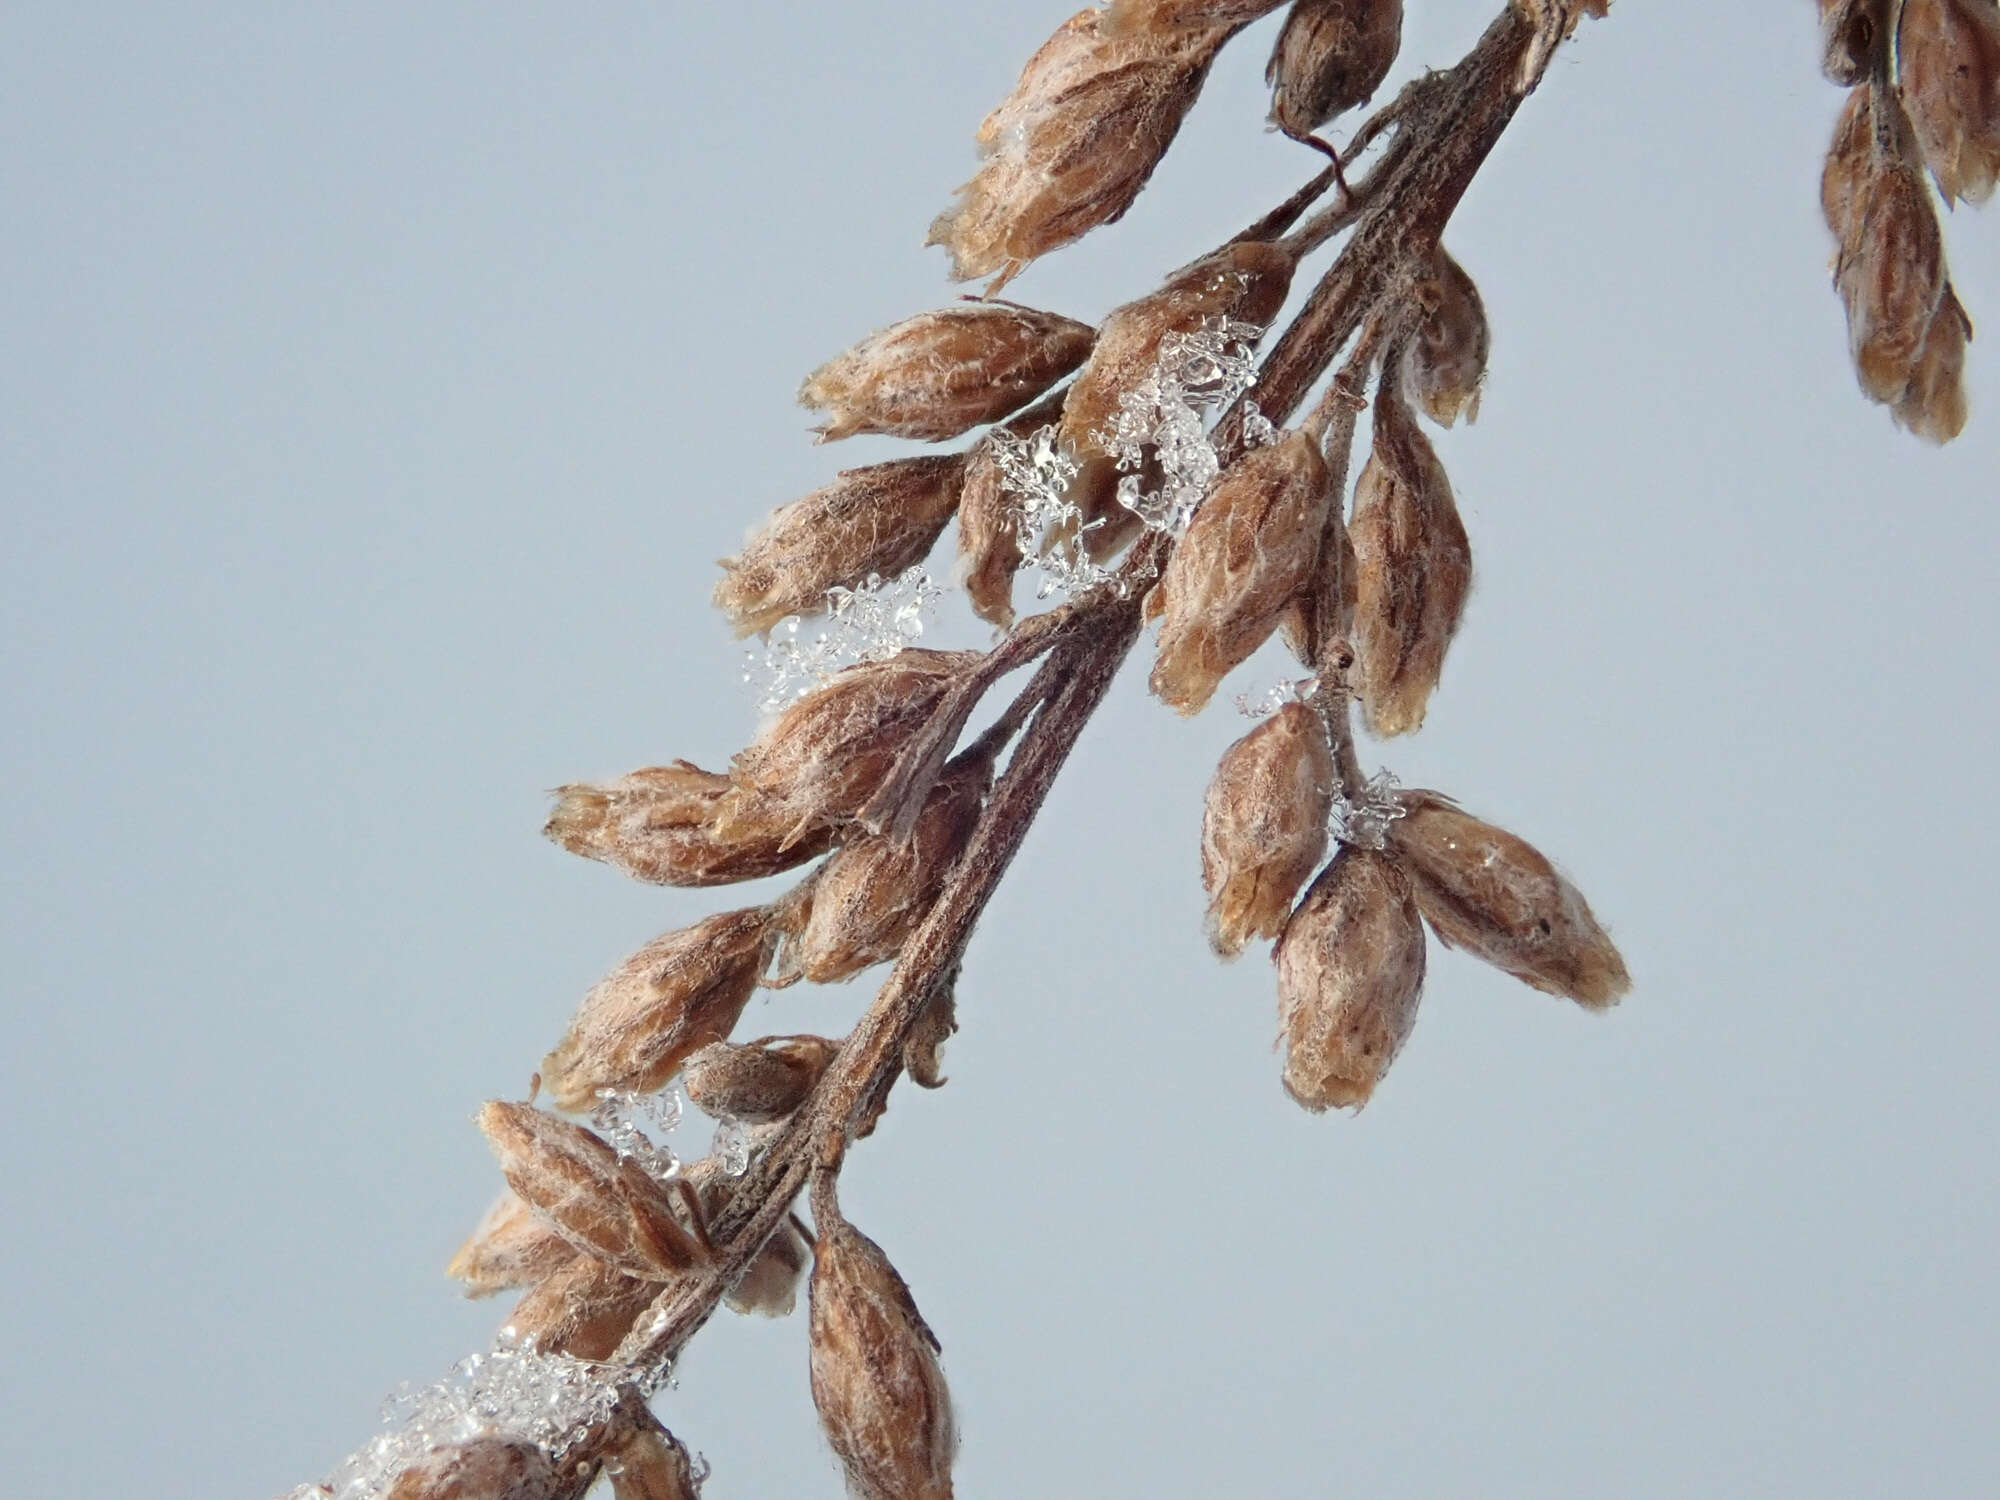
{"points": [[1255, 705], [623, 1117], [869, 622], [731, 1145], [1048, 525], [1364, 821], [1166, 416]]}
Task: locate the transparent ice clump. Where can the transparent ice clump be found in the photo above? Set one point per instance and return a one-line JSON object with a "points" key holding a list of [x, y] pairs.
{"points": [[1260, 705], [624, 1118], [1195, 375], [731, 1145], [1364, 821], [869, 622], [1048, 525]]}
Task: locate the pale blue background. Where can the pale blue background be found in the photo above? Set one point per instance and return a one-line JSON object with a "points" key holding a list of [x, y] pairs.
{"points": [[379, 384]]}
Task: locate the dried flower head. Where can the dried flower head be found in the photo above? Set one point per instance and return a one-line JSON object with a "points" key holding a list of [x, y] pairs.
{"points": [[880, 519], [1849, 162], [1413, 569], [1331, 57], [1350, 971], [1499, 898], [875, 1374], [1263, 830], [943, 373], [1933, 404], [1852, 34], [583, 1310], [989, 536], [757, 1081], [1445, 363], [674, 996], [481, 1468], [1949, 59], [511, 1247], [1890, 270], [659, 825], [826, 754], [1074, 143]]}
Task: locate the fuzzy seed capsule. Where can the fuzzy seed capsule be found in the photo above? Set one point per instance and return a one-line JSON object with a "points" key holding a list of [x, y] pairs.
{"points": [[674, 996], [1177, 15], [1413, 570], [1350, 971], [1074, 143], [511, 1247], [758, 1081], [481, 1468], [1949, 57], [1263, 831], [942, 373], [583, 1310], [1445, 363], [1850, 161], [1249, 549], [646, 1462], [1933, 404], [989, 538], [1890, 270], [1851, 34], [660, 825], [1499, 898], [1331, 57], [880, 519], [875, 1374]]}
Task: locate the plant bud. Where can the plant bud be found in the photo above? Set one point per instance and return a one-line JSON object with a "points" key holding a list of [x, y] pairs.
{"points": [[584, 1310], [1933, 404], [1350, 971], [875, 1375], [481, 1468], [1249, 549], [603, 1204], [1331, 57], [646, 1462], [512, 1247], [758, 1081], [1074, 143], [1444, 364], [1177, 15], [876, 889], [825, 756], [989, 538], [1498, 898], [1851, 34], [659, 825], [1263, 830], [880, 519], [674, 996], [943, 373], [1949, 62], [1890, 272], [1413, 570]]}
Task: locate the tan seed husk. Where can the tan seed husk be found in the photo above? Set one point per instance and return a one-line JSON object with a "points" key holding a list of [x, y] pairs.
{"points": [[583, 1310], [1330, 57], [1890, 269], [1949, 61], [1499, 898], [989, 537], [1444, 365], [1350, 972], [1263, 829], [511, 1247], [769, 1286], [646, 1462], [481, 1468], [660, 825], [923, 1053], [1851, 35], [758, 1081], [1933, 405]]}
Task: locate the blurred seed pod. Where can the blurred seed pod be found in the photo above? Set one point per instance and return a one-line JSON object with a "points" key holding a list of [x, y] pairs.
{"points": [[659, 825], [511, 1247], [1499, 898], [769, 1286], [942, 373], [758, 1081], [877, 888], [1933, 403], [1350, 972], [1124, 16], [603, 1204], [1248, 551], [1949, 72], [1413, 570], [583, 1310], [880, 519], [644, 1461], [989, 537], [923, 1053], [1331, 57], [1890, 270], [875, 1374], [1263, 830], [825, 756], [674, 996], [1445, 363], [1849, 163], [1073, 144], [481, 1468], [1852, 34]]}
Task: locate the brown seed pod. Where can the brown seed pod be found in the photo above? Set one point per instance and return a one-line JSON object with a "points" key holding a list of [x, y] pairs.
{"points": [[1074, 143], [1413, 570], [511, 1247], [1445, 363], [1123, 16], [1933, 403], [1890, 271], [989, 537], [674, 996], [1263, 830], [1849, 162], [943, 373], [583, 1310], [877, 888], [1499, 898], [758, 1081], [825, 756], [1949, 70], [1852, 34], [1331, 57], [875, 1374], [1248, 551], [880, 519], [603, 1204], [1350, 971], [659, 825], [481, 1468], [646, 1462]]}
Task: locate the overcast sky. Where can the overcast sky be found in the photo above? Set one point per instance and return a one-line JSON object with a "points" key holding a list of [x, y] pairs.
{"points": [[381, 382]]}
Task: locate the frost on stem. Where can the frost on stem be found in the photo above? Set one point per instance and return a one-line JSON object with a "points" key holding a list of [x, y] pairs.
{"points": [[1363, 820]]}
